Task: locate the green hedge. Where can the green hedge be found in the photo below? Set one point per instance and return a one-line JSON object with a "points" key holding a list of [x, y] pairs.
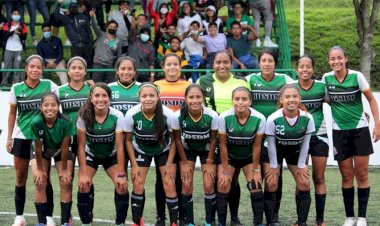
{"points": [[329, 23]]}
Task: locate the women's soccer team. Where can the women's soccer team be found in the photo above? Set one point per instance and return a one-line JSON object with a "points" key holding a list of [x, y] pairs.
{"points": [[231, 123]]}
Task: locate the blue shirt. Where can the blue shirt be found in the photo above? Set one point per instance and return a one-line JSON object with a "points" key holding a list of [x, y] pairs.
{"points": [[50, 48]]}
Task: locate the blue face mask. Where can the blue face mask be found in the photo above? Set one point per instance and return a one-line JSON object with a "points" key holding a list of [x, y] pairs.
{"points": [[144, 37], [46, 34], [16, 18]]}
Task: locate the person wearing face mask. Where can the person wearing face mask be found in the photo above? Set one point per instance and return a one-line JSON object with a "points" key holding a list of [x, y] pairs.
{"points": [[141, 49], [78, 30], [163, 17], [50, 48], [107, 50], [123, 17], [15, 33]]}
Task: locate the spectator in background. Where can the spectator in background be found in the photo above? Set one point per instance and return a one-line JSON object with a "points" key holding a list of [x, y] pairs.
{"points": [[3, 20], [11, 5], [190, 47], [79, 32], [15, 33], [165, 35], [107, 50], [51, 50], [141, 49], [163, 17], [137, 24], [239, 46], [187, 16], [214, 42], [200, 7], [56, 22], [33, 6], [263, 7], [243, 19], [123, 18], [97, 5], [212, 16]]}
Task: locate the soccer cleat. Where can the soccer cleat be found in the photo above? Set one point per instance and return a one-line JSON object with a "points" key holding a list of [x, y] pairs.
{"points": [[268, 43], [40, 224], [236, 223], [258, 43], [361, 221], [350, 221], [300, 224], [50, 221], [173, 224], [66, 224], [320, 223], [276, 220], [19, 221], [160, 222], [190, 224]]}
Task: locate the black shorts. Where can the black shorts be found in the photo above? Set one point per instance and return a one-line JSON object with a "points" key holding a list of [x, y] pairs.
{"points": [[291, 157], [353, 142], [74, 145], [239, 163], [192, 156], [318, 146], [22, 148], [264, 157], [106, 162], [57, 157], [145, 160]]}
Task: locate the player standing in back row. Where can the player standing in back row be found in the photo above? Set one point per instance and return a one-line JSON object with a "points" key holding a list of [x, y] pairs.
{"points": [[351, 136]]}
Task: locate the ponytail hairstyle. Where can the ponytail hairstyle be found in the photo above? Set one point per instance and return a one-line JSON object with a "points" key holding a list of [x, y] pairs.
{"points": [[338, 48], [242, 88], [159, 125], [55, 97], [185, 108], [32, 57], [282, 90], [87, 111]]}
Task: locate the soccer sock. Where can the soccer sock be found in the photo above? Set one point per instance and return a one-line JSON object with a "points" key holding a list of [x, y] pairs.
{"points": [[210, 206], [320, 200], [50, 199], [172, 204], [234, 194], [278, 193], [121, 206], [303, 202], [85, 207], [41, 209], [221, 203], [363, 196], [143, 203], [136, 203], [348, 199], [65, 212], [160, 196], [20, 193], [187, 203], [269, 204], [178, 186], [257, 203]]}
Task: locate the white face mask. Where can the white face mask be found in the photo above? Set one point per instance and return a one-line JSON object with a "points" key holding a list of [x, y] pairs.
{"points": [[144, 37], [164, 10]]}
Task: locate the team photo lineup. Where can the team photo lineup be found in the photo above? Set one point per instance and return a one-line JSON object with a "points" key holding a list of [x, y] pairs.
{"points": [[235, 122]]}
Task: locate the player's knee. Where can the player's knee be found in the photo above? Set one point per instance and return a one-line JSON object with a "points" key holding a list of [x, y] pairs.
{"points": [[319, 179]]}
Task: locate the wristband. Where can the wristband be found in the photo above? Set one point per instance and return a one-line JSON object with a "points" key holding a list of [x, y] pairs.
{"points": [[121, 175]]}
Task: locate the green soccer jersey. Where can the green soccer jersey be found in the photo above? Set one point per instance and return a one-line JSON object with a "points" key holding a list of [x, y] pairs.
{"points": [[313, 99], [240, 138], [28, 104], [51, 138], [142, 128], [346, 99], [100, 140], [72, 100], [289, 132], [265, 93], [218, 95], [196, 134], [124, 97]]}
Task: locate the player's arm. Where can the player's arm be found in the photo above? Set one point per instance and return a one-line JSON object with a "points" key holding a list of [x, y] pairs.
{"points": [[119, 141], [375, 113], [11, 124], [213, 143]]}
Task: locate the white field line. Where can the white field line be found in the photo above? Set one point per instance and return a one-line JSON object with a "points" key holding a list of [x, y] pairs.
{"points": [[99, 220]]}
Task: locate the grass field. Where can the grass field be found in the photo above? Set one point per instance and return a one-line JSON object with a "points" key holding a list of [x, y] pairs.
{"points": [[104, 207]]}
